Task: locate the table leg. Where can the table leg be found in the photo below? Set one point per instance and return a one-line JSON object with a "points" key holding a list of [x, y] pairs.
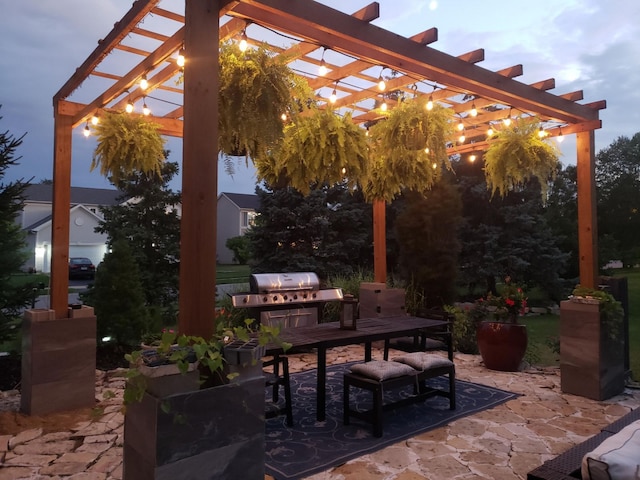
{"points": [[367, 352], [321, 389]]}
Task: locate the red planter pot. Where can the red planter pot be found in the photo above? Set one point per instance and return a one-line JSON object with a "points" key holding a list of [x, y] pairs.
{"points": [[502, 345]]}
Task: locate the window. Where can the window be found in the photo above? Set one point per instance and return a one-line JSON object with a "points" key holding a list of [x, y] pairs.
{"points": [[247, 219]]}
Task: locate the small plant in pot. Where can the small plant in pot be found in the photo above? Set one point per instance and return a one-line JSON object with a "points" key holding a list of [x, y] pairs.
{"points": [[502, 341]]}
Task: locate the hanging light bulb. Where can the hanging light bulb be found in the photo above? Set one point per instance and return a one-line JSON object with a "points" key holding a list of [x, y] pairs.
{"points": [[507, 120], [145, 109], [382, 85], [144, 84], [244, 44], [430, 103], [95, 120], [367, 132], [283, 117], [334, 96], [426, 150], [460, 126], [489, 132], [344, 170], [323, 70], [560, 137], [86, 132], [462, 137], [384, 105], [472, 157], [129, 107], [474, 111], [541, 132], [180, 60]]}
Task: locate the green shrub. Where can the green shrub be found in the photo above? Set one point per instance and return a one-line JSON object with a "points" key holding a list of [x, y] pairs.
{"points": [[241, 248], [350, 284]]}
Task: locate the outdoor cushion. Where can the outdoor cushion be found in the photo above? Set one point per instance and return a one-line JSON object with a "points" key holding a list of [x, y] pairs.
{"points": [[382, 369], [616, 458], [424, 361]]}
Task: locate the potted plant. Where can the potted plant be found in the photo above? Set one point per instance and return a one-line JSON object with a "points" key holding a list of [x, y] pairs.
{"points": [[407, 150], [502, 341], [518, 153], [592, 344], [256, 90], [127, 143], [319, 148], [206, 406]]}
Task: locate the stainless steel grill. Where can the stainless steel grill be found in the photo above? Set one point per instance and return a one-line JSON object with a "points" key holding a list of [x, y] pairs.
{"points": [[287, 299]]}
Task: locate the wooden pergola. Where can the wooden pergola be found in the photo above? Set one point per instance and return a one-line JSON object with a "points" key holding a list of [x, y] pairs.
{"points": [[146, 43]]}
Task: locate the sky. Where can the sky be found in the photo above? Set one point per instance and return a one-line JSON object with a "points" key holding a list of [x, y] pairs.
{"points": [[588, 45]]}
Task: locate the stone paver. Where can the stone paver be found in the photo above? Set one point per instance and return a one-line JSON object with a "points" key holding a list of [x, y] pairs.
{"points": [[504, 442]]}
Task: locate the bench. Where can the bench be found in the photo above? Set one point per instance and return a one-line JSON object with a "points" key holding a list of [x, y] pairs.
{"points": [[379, 376], [567, 466]]}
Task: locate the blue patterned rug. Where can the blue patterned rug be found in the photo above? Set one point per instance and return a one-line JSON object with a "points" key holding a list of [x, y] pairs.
{"points": [[310, 446]]}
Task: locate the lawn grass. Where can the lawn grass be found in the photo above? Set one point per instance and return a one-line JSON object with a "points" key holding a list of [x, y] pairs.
{"points": [[633, 285], [232, 274]]}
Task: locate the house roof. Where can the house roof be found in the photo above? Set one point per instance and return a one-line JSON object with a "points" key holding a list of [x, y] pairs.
{"points": [[243, 200], [47, 220], [41, 192]]}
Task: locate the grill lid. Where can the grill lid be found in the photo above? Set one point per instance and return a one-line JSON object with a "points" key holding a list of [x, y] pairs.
{"points": [[283, 282]]}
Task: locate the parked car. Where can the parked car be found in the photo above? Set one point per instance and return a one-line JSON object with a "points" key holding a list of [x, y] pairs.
{"points": [[81, 267]]}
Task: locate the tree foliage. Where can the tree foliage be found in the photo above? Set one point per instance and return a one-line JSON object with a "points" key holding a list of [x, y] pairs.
{"points": [[618, 182], [127, 144], [240, 247], [13, 298], [427, 233], [327, 232], [517, 154], [150, 224], [407, 150], [118, 298]]}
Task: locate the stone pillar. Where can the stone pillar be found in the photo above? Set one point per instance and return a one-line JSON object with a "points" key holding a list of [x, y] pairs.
{"points": [[58, 361]]}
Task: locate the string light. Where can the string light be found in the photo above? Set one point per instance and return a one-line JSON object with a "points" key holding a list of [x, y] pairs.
{"points": [[323, 70], [344, 170], [384, 105], [426, 150], [283, 117], [541, 132], [144, 84], [489, 132], [334, 96], [430, 103], [244, 43], [560, 137], [460, 126], [462, 137], [129, 107], [95, 120], [474, 111], [86, 132], [367, 132], [434, 165], [507, 120], [145, 109], [382, 85], [180, 60], [472, 157]]}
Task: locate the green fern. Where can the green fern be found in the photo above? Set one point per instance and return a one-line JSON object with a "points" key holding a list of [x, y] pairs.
{"points": [[517, 154], [408, 150], [127, 144]]}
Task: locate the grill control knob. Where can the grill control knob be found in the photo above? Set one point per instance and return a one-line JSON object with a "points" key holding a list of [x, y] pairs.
{"points": [[313, 295], [304, 296], [295, 296], [275, 298], [245, 300], [284, 297], [265, 299]]}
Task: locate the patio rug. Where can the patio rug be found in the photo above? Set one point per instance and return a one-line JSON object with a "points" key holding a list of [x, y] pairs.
{"points": [[310, 446]]}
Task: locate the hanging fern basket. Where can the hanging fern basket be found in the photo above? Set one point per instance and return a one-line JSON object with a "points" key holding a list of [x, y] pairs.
{"points": [[127, 144], [518, 154]]}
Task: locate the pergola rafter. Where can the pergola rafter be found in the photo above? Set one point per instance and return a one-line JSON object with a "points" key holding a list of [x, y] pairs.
{"points": [[356, 52]]}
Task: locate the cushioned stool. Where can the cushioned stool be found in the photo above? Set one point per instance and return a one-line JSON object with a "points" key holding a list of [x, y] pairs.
{"points": [[377, 376], [430, 365], [274, 380]]}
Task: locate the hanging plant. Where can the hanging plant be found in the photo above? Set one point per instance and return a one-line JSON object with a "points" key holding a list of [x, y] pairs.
{"points": [[256, 89], [127, 144], [318, 148], [516, 154], [408, 150]]}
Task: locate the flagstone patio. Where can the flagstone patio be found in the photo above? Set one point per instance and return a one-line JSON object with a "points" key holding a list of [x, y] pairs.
{"points": [[501, 443]]}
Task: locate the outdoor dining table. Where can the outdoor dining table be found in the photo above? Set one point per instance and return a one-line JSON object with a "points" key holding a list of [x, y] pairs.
{"points": [[324, 336]]}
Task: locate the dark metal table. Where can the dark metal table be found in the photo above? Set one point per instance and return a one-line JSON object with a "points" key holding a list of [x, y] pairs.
{"points": [[328, 335]]}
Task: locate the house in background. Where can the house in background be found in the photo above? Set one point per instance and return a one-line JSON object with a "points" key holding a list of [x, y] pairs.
{"points": [[85, 214], [236, 212]]}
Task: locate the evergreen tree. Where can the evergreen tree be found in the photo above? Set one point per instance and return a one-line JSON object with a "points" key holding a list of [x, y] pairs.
{"points": [[427, 233], [118, 297], [149, 222], [327, 232], [12, 242]]}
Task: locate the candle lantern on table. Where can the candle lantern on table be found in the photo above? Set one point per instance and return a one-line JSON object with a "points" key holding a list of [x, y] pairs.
{"points": [[348, 312]]}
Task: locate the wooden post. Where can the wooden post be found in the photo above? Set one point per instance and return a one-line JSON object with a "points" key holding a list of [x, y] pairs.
{"points": [[59, 283], [379, 242], [199, 169], [587, 210]]}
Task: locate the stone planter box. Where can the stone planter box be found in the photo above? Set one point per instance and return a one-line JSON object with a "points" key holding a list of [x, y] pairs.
{"points": [[591, 362]]}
